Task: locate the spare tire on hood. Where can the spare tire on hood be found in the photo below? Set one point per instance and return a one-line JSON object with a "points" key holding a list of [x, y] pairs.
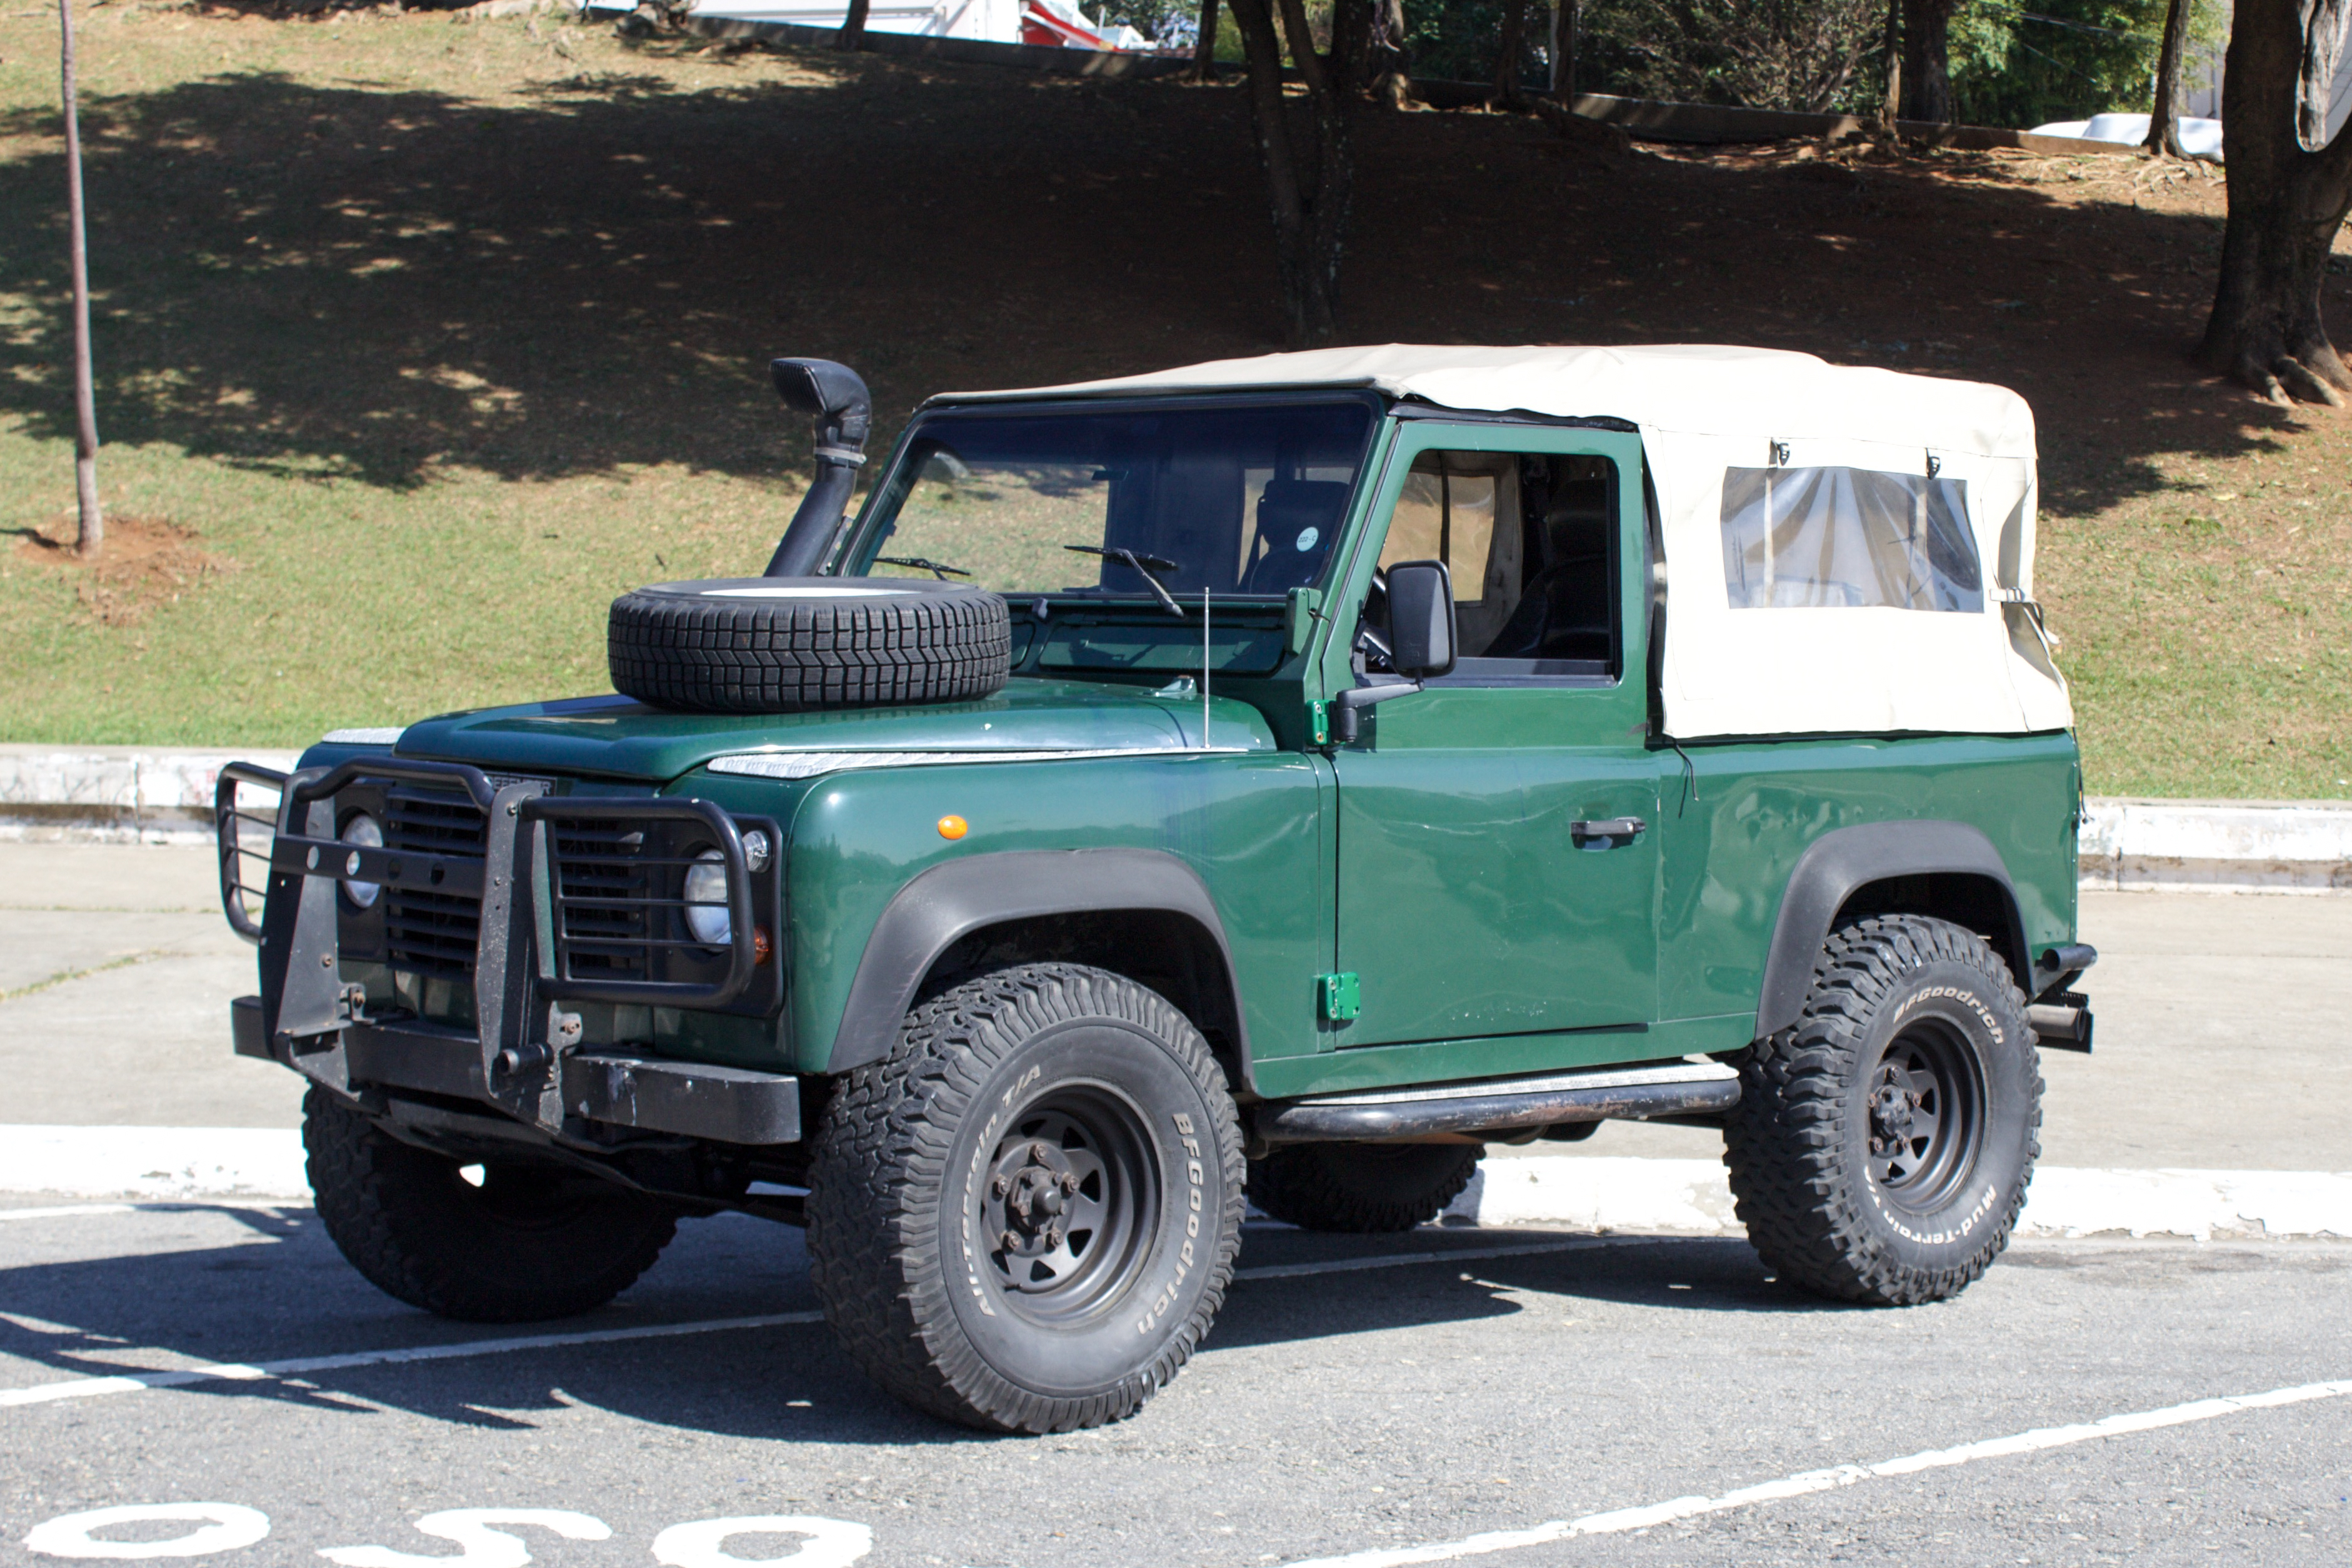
{"points": [[782, 645]]}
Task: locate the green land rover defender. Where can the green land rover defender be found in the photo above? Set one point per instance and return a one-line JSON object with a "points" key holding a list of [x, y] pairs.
{"points": [[1268, 781]]}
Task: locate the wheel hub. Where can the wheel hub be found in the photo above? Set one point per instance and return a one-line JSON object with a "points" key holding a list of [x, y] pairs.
{"points": [[1034, 1185], [1892, 1107]]}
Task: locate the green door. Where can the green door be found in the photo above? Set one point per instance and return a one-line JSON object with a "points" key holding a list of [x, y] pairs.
{"points": [[1498, 832]]}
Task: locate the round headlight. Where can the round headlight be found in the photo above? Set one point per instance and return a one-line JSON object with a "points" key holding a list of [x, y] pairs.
{"points": [[706, 899], [362, 830]]}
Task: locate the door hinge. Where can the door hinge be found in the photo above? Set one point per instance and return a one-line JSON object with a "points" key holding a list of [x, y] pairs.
{"points": [[1319, 718], [1339, 998]]}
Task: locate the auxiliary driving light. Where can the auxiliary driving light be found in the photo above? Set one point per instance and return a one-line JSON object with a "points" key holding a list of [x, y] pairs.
{"points": [[706, 900], [362, 830]]}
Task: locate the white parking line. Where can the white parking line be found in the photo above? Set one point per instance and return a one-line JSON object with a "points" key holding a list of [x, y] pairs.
{"points": [[1807, 1482], [231, 1372]]}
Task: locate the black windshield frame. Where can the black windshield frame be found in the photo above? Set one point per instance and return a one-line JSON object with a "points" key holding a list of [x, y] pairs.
{"points": [[865, 538]]}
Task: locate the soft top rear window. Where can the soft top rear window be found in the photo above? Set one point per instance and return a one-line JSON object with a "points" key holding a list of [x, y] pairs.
{"points": [[1812, 539], [1240, 498]]}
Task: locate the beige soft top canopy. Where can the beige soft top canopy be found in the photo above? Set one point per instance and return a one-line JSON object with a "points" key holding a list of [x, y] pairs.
{"points": [[1849, 550]]}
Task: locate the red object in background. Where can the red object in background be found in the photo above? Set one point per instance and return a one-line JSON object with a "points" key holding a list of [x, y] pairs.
{"points": [[1039, 25]]}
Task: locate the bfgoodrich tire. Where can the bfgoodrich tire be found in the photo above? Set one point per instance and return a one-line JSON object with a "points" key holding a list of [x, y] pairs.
{"points": [[1881, 1148], [1025, 1218], [528, 1242], [785, 644], [1365, 1189]]}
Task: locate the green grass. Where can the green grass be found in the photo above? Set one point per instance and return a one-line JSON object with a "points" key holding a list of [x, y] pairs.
{"points": [[421, 338]]}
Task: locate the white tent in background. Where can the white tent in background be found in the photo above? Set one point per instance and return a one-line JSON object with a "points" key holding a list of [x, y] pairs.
{"points": [[2199, 138], [1057, 24]]}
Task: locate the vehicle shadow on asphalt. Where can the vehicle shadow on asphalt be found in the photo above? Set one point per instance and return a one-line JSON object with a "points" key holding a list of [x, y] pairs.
{"points": [[280, 1292]]}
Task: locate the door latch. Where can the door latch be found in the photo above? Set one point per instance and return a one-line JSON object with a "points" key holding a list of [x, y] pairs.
{"points": [[1610, 828]]}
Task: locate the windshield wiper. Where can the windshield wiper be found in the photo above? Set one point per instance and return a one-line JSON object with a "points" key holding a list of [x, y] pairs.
{"points": [[1144, 565], [938, 569]]}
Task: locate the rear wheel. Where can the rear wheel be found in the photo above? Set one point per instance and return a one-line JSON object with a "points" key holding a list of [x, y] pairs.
{"points": [[1025, 1218], [1881, 1148], [1362, 1187], [487, 1242]]}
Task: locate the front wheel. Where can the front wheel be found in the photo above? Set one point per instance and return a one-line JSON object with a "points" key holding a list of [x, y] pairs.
{"points": [[1025, 1218], [1881, 1148]]}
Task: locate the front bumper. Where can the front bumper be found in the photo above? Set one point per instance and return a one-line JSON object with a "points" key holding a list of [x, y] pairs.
{"points": [[539, 941]]}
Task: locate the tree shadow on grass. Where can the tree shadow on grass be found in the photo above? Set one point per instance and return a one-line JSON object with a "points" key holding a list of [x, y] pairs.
{"points": [[379, 283]]}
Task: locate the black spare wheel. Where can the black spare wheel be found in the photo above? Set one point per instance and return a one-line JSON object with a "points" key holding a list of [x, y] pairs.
{"points": [[1364, 1187], [1025, 1216], [1881, 1147], [783, 645], [485, 1241]]}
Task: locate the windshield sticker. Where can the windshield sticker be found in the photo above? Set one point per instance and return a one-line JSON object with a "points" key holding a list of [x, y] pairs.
{"points": [[1306, 538]]}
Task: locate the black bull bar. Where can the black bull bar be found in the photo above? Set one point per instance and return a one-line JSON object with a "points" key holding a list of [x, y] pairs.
{"points": [[521, 1058]]}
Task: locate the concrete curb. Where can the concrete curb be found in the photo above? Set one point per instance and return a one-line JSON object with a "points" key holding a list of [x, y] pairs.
{"points": [[71, 795], [154, 1162], [1600, 1193], [91, 795], [1685, 1197], [2284, 846]]}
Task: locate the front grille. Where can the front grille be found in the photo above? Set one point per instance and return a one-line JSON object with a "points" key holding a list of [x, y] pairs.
{"points": [[606, 920], [429, 933]]}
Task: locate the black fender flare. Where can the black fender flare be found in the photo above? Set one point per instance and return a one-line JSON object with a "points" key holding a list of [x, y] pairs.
{"points": [[1835, 865], [958, 897]]}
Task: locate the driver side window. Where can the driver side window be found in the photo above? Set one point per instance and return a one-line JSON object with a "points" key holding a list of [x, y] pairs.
{"points": [[1530, 540]]}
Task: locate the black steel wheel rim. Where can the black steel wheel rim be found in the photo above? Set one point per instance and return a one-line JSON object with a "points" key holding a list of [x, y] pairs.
{"points": [[1925, 1110], [1068, 1204]]}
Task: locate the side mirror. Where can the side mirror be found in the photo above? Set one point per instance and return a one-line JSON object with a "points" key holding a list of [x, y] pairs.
{"points": [[1422, 625]]}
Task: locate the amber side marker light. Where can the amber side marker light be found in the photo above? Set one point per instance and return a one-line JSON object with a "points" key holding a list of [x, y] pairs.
{"points": [[953, 827], [763, 946]]}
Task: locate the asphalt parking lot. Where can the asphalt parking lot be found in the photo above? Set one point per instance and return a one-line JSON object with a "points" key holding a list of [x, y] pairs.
{"points": [[1398, 1399], [1515, 1396]]}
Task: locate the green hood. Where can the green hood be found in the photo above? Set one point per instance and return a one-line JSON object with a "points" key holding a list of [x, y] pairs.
{"points": [[617, 738]]}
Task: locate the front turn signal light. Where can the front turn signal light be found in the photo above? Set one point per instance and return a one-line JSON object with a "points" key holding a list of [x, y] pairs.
{"points": [[763, 946]]}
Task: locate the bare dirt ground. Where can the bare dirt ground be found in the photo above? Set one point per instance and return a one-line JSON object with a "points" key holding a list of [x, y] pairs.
{"points": [[429, 293]]}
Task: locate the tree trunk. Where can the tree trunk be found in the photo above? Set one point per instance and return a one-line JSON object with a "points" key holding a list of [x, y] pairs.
{"points": [[2163, 119], [1508, 93], [93, 520], [1384, 72], [2289, 190], [853, 26], [1891, 109], [1309, 183], [1205, 48], [1926, 60], [1567, 22]]}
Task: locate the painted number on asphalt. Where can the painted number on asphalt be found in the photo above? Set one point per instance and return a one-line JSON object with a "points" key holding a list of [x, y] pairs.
{"points": [[470, 1528], [831, 1543], [228, 1527], [220, 1527]]}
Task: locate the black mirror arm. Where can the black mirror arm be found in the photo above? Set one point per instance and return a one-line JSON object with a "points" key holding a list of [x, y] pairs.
{"points": [[1348, 708]]}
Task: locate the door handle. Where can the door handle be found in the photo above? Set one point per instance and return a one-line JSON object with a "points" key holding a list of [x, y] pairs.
{"points": [[1606, 828]]}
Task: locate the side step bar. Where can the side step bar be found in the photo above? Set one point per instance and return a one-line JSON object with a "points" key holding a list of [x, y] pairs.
{"points": [[1632, 1094]]}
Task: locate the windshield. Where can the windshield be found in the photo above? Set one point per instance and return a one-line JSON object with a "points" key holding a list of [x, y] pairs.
{"points": [[1235, 499]]}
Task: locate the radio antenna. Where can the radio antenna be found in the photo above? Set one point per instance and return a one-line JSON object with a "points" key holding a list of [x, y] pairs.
{"points": [[1204, 669]]}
